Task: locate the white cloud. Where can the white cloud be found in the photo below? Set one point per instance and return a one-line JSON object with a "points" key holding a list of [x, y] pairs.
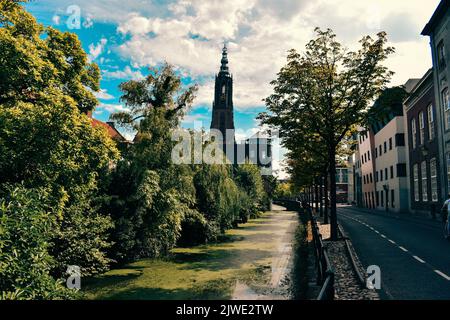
{"points": [[56, 19], [125, 74], [260, 33], [103, 95], [97, 49], [200, 120], [111, 108]]}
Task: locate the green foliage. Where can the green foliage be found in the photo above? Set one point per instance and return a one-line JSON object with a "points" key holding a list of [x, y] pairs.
{"points": [[320, 97], [195, 229], [47, 142], [35, 60], [249, 179], [26, 227], [284, 190], [217, 195], [150, 195]]}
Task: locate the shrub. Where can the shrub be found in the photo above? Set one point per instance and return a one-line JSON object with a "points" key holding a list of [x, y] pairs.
{"points": [[195, 229], [26, 226]]}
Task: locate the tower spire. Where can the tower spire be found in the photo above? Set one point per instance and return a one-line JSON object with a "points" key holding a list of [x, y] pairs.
{"points": [[224, 61]]}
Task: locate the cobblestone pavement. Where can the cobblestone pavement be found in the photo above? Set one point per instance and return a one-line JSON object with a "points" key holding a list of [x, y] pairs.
{"points": [[347, 286]]}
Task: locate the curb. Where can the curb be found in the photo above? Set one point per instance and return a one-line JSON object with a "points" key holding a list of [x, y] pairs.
{"points": [[353, 258]]}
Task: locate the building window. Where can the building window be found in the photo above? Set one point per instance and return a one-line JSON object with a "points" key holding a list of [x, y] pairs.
{"points": [[376, 176], [371, 178], [381, 198], [392, 198], [400, 140], [381, 175], [392, 172], [423, 173], [385, 147], [377, 198], [413, 133], [441, 55], [430, 113], [421, 127], [390, 143], [401, 169], [416, 182], [368, 155], [446, 106], [386, 174], [380, 151], [376, 153], [433, 180], [344, 175]]}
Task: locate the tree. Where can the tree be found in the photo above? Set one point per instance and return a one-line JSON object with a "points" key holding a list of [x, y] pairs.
{"points": [[25, 233], [150, 195], [327, 90], [36, 60], [47, 140]]}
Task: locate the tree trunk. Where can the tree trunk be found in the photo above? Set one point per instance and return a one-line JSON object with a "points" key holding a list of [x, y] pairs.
{"points": [[327, 203], [316, 195], [333, 214], [321, 195]]}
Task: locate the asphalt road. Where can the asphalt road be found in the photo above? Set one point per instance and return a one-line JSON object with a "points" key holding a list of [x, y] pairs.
{"points": [[413, 257]]}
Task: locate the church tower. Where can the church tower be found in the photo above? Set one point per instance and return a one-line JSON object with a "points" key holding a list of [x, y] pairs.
{"points": [[222, 112]]}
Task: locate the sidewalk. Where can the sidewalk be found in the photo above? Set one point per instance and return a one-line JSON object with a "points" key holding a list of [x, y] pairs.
{"points": [[347, 285], [415, 218]]}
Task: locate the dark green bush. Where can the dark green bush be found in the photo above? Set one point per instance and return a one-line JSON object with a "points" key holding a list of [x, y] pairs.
{"points": [[26, 227]]}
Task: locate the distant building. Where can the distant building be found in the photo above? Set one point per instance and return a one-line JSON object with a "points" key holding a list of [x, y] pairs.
{"points": [[351, 180], [357, 176], [256, 149], [342, 184], [110, 127], [423, 146], [367, 168], [438, 29], [382, 165]]}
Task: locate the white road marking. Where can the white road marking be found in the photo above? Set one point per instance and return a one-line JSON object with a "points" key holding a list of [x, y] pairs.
{"points": [[443, 275], [418, 259]]}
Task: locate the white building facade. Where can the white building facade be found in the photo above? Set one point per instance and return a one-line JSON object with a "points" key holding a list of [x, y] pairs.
{"points": [[390, 153]]}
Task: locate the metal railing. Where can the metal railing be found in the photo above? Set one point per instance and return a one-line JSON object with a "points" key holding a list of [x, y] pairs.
{"points": [[325, 271]]}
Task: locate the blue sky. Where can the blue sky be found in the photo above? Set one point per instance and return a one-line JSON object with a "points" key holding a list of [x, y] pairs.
{"points": [[101, 40], [125, 37]]}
